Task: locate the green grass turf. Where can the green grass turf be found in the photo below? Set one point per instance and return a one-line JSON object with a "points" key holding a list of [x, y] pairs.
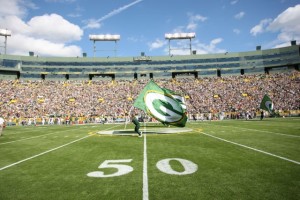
{"points": [[225, 170]]}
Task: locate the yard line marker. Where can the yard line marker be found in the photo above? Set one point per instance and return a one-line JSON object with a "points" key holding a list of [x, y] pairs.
{"points": [[27, 138], [241, 145], [45, 152], [297, 136], [145, 172]]}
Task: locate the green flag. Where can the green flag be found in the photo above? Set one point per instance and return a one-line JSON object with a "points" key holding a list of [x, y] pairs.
{"points": [[160, 104], [267, 104], [178, 97]]}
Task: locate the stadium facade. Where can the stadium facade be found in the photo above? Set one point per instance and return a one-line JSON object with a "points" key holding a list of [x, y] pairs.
{"points": [[92, 68]]}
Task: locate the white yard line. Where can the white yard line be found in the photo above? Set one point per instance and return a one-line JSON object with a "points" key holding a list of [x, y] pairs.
{"points": [[297, 136], [145, 168], [288, 135], [241, 145], [263, 131], [35, 137], [13, 164], [145, 171], [45, 152], [27, 138]]}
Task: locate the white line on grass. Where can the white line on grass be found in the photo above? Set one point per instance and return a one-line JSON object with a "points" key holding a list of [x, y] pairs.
{"points": [[45, 152], [145, 172], [24, 138], [241, 145], [263, 131], [297, 136], [27, 138], [145, 169]]}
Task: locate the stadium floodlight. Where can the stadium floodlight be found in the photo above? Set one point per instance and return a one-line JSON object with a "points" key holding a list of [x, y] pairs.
{"points": [[106, 37], [171, 36], [5, 33], [180, 36]]}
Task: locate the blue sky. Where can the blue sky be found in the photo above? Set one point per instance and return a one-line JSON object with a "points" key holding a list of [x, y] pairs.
{"points": [[62, 27]]}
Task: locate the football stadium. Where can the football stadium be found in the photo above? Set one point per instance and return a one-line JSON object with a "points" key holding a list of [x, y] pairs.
{"points": [[220, 125], [68, 134]]}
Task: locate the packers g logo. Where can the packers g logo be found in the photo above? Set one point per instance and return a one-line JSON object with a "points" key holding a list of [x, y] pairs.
{"points": [[269, 105], [162, 107]]}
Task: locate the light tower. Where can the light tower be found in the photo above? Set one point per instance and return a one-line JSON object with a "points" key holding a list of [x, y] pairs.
{"points": [[106, 37], [180, 36], [5, 33]]}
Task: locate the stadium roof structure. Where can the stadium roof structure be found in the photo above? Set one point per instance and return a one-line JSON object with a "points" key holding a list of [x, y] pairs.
{"points": [[5, 33], [146, 67], [106, 37], [180, 36]]}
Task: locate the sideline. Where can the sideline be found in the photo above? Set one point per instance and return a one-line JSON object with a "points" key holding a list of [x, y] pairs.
{"points": [[247, 147], [45, 152]]}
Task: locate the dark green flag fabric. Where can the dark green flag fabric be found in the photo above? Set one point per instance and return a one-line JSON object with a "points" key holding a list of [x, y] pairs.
{"points": [[267, 104], [160, 104]]}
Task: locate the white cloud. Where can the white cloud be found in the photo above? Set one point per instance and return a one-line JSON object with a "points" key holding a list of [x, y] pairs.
{"points": [[156, 44], [193, 21], [236, 31], [234, 2], [12, 7], [260, 28], [216, 41], [40, 47], [45, 35], [240, 15], [286, 24], [209, 48], [15, 24], [54, 28], [91, 24]]}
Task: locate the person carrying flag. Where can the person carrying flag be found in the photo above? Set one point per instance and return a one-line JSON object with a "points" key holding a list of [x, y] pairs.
{"points": [[2, 125], [262, 115], [136, 122]]}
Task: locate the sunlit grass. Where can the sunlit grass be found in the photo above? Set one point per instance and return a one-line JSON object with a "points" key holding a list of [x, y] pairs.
{"points": [[55, 161]]}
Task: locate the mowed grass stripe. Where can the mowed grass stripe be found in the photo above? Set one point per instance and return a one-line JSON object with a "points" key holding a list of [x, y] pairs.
{"points": [[258, 129], [251, 148], [31, 137], [287, 147], [21, 150], [224, 171], [63, 174], [27, 129], [43, 153]]}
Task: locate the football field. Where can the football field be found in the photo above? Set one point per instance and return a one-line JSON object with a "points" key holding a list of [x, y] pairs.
{"points": [[230, 159]]}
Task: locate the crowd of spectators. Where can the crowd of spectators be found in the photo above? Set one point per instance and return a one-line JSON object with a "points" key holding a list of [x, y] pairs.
{"points": [[33, 99]]}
